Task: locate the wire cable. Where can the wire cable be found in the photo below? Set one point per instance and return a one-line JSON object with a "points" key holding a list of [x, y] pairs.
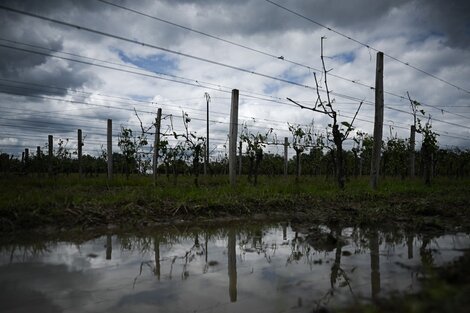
{"points": [[367, 46], [144, 44]]}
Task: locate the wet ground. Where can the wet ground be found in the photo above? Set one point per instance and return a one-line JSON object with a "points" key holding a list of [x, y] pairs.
{"points": [[253, 268]]}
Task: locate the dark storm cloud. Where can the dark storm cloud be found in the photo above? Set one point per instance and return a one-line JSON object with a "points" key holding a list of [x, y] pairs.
{"points": [[255, 16], [448, 18], [33, 68], [52, 6]]}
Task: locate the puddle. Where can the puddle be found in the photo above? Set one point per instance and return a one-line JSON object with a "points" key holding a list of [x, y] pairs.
{"points": [[273, 268]]}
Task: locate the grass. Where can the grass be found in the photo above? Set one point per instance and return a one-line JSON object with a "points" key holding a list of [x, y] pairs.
{"points": [[66, 202]]}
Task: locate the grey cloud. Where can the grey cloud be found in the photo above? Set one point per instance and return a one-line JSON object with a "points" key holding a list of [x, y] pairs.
{"points": [[450, 18], [36, 68], [254, 16], [52, 6]]}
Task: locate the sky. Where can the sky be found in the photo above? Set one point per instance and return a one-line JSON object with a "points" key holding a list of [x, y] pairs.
{"points": [[144, 55]]}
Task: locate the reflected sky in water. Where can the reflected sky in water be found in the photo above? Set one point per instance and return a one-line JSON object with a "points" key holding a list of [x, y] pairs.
{"points": [[275, 268]]}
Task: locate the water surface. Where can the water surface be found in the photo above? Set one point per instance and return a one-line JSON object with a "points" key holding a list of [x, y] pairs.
{"points": [[270, 268]]}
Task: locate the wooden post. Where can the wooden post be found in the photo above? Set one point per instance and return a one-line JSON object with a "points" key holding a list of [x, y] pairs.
{"points": [[233, 134], [110, 149], [26, 155], [286, 155], [378, 122], [240, 157], [49, 146], [412, 150], [206, 159], [79, 152], [156, 144], [38, 152]]}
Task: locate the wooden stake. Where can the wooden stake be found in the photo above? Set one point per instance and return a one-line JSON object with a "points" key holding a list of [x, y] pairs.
{"points": [[378, 121], [49, 146], [110, 149], [240, 157], [286, 154], [412, 150], [233, 134], [79, 152], [156, 144], [206, 159]]}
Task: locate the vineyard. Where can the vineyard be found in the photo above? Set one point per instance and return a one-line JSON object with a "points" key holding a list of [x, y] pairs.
{"points": [[186, 154]]}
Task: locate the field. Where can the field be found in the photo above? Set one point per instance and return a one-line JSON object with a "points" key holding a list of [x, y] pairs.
{"points": [[66, 202]]}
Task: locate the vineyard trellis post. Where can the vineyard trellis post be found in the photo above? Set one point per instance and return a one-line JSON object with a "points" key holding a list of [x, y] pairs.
{"points": [[156, 144], [378, 121], [412, 150], [50, 151], [240, 156], [79, 152], [206, 159], [232, 160], [26, 160], [414, 110], [110, 149], [286, 154]]}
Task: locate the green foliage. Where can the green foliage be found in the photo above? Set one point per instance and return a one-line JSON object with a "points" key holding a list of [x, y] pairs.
{"points": [[395, 153], [191, 148], [302, 138], [254, 149]]}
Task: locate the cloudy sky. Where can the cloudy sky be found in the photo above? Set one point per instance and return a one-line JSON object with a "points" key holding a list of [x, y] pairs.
{"points": [[56, 78]]}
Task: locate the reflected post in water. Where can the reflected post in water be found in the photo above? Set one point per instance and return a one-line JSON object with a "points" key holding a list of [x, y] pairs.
{"points": [[409, 244], [232, 266], [374, 263], [109, 247], [156, 248]]}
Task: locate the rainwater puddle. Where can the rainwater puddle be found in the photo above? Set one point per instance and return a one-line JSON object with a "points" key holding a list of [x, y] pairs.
{"points": [[273, 268]]}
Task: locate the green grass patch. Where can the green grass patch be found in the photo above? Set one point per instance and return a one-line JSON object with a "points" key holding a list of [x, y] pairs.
{"points": [[66, 201]]}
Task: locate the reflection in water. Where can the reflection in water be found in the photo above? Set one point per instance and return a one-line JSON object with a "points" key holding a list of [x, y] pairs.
{"points": [[109, 247], [427, 259], [409, 244], [232, 265], [156, 249], [374, 263], [335, 269], [279, 269]]}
